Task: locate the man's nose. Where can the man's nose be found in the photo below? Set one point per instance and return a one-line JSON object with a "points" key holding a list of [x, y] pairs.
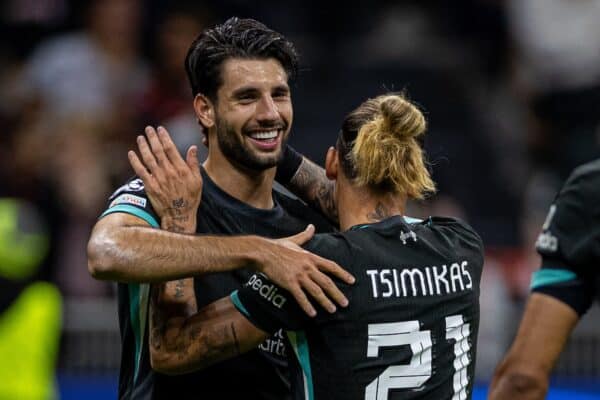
{"points": [[267, 110]]}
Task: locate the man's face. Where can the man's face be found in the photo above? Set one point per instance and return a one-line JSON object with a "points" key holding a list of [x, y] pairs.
{"points": [[253, 112]]}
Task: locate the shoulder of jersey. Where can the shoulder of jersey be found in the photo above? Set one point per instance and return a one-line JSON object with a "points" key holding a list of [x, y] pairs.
{"points": [[135, 186], [585, 177], [458, 226]]}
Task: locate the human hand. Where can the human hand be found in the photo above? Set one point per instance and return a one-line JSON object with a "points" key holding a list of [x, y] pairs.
{"points": [[299, 271], [174, 186]]}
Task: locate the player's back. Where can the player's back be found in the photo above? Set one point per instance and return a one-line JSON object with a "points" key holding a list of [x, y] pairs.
{"points": [[411, 327]]}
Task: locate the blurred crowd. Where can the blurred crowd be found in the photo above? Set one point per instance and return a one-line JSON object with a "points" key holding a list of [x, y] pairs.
{"points": [[511, 90]]}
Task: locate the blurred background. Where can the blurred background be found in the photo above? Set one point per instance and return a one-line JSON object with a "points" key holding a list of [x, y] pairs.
{"points": [[511, 90]]}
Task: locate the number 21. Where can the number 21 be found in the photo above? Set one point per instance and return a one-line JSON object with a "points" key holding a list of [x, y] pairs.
{"points": [[418, 371]]}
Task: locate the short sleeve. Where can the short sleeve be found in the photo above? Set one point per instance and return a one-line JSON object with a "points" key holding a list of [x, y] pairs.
{"points": [[131, 199], [570, 242]]}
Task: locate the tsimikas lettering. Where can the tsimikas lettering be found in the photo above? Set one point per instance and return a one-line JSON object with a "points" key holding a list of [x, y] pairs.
{"points": [[427, 281], [269, 292]]}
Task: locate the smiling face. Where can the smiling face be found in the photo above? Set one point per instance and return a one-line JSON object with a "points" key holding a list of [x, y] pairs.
{"points": [[253, 112]]}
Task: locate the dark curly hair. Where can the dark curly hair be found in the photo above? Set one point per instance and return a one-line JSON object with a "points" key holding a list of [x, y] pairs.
{"points": [[235, 38]]}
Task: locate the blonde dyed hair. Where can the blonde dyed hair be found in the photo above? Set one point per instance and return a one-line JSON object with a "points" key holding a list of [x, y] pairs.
{"points": [[379, 147]]}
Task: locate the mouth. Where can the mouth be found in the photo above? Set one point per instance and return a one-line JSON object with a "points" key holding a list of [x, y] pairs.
{"points": [[266, 139]]}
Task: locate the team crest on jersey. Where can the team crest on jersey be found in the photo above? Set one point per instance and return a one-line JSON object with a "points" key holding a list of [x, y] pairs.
{"points": [[136, 185], [129, 199]]}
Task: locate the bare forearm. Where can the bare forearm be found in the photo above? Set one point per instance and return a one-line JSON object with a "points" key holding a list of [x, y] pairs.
{"points": [[216, 333], [143, 254], [312, 185]]}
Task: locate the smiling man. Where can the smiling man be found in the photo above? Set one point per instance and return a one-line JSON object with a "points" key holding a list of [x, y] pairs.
{"points": [[239, 73]]}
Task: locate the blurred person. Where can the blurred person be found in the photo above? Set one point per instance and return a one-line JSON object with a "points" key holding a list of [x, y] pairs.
{"points": [[78, 90], [239, 73], [96, 71], [417, 286], [30, 309], [166, 99], [556, 67], [563, 288]]}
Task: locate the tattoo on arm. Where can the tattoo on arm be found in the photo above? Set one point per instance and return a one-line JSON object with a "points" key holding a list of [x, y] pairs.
{"points": [[312, 186], [237, 343], [379, 213]]}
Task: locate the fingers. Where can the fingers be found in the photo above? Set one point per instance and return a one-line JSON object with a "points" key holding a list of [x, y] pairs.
{"points": [[317, 293], [147, 156], [304, 236], [191, 160], [139, 168], [330, 289], [157, 147], [303, 302], [334, 269], [169, 148]]}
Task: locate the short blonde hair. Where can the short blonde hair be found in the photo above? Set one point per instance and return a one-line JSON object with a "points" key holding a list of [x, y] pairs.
{"points": [[379, 148]]}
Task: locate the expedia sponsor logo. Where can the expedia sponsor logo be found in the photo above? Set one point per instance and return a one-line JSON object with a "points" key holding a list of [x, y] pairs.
{"points": [[129, 199], [269, 291]]}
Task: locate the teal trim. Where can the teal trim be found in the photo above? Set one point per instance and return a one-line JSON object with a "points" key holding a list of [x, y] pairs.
{"points": [[138, 315], [544, 277], [134, 312], [138, 212], [300, 346], [411, 220], [235, 299]]}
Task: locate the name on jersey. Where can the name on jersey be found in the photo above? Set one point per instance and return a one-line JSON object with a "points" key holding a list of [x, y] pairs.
{"points": [[268, 291], [129, 199], [411, 282]]}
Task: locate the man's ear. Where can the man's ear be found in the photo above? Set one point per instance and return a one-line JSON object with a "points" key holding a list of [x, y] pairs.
{"points": [[205, 111], [331, 164]]}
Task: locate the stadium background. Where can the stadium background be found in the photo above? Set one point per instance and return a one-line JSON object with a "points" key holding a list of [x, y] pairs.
{"points": [[511, 90]]}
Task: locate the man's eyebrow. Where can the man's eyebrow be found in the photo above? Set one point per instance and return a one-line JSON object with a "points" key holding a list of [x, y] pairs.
{"points": [[245, 90]]}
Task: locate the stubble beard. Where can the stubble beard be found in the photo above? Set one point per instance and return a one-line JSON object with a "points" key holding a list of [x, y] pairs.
{"points": [[233, 148]]}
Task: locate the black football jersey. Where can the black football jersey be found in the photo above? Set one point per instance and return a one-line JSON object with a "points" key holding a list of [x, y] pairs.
{"points": [[410, 329], [260, 374], [570, 241]]}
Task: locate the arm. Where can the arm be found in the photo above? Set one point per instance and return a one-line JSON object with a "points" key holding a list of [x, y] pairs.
{"points": [[181, 344], [124, 248], [525, 371], [308, 181]]}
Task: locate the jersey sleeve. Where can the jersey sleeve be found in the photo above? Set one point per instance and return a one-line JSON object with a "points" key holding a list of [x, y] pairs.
{"points": [[131, 199], [268, 306], [570, 242]]}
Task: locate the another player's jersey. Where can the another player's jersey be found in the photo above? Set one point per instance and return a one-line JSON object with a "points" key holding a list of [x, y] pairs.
{"points": [[410, 329], [260, 374], [570, 241]]}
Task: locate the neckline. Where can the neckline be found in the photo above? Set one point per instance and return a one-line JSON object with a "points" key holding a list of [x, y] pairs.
{"points": [[225, 200]]}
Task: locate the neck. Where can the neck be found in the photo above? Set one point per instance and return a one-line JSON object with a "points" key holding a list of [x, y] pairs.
{"points": [[358, 206], [251, 187]]}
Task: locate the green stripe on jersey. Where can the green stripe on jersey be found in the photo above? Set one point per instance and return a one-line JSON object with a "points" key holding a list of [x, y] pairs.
{"points": [[545, 277], [300, 346], [138, 212], [138, 313], [235, 299]]}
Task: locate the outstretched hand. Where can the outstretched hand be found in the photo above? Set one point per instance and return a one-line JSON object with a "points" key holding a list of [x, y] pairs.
{"points": [[301, 272], [174, 186]]}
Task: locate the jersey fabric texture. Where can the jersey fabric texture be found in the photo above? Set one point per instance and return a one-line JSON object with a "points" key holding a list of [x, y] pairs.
{"points": [[410, 329], [570, 241], [260, 374]]}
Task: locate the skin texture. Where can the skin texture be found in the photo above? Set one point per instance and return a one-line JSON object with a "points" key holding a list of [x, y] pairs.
{"points": [[544, 330], [184, 341]]}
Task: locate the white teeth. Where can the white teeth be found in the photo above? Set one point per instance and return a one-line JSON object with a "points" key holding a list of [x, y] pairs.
{"points": [[264, 135]]}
